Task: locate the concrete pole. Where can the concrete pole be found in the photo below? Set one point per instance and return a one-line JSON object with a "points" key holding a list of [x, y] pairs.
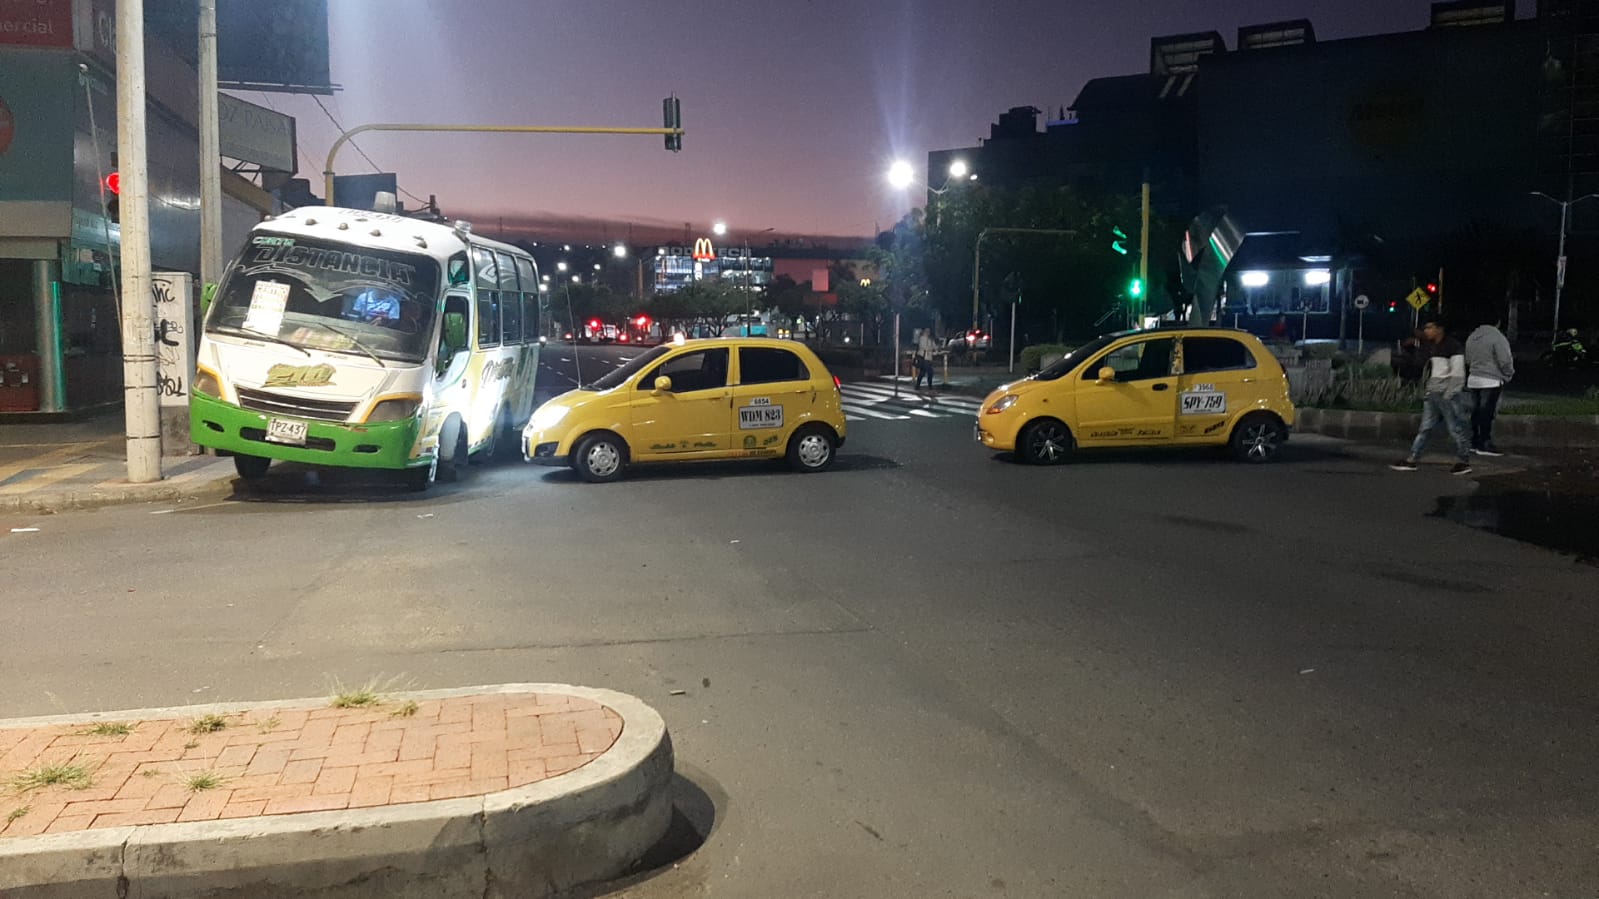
{"points": [[1560, 268], [1143, 255], [138, 308], [210, 151]]}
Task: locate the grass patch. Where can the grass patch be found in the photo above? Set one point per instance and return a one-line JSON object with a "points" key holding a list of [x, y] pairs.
{"points": [[69, 775], [203, 780], [406, 710], [363, 697], [208, 724], [269, 725], [108, 729], [150, 772], [192, 744], [18, 812]]}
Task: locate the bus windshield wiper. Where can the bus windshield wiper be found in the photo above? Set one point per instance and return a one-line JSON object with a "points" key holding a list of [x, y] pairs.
{"points": [[354, 341], [265, 336]]}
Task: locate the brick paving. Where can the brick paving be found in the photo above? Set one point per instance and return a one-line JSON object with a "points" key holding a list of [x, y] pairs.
{"points": [[283, 761]]}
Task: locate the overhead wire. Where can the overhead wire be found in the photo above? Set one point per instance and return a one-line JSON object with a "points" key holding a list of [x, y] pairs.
{"points": [[375, 167]]}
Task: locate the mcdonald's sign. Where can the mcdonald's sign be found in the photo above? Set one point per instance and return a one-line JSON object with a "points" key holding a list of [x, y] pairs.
{"points": [[703, 251]]}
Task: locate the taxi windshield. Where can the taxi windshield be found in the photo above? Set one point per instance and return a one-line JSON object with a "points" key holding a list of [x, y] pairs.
{"points": [[1074, 358], [617, 377]]}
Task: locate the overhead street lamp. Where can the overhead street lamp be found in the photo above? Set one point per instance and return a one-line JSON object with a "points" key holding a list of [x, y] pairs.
{"points": [[1560, 254], [902, 175]]}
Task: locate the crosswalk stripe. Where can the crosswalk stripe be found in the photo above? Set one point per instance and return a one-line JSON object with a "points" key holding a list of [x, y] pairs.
{"points": [[879, 392], [873, 413]]}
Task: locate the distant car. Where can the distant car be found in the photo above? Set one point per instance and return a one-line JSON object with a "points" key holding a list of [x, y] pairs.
{"points": [[719, 398], [1164, 387], [975, 339]]}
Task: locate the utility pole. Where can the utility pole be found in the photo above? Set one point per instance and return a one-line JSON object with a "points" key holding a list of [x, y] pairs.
{"points": [[210, 151], [1143, 252], [143, 415]]}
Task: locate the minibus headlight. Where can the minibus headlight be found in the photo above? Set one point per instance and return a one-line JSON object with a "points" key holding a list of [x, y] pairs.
{"points": [[206, 383], [397, 409]]}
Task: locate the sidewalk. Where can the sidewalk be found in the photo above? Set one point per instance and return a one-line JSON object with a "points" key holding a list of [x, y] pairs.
{"points": [[507, 790], [53, 466]]}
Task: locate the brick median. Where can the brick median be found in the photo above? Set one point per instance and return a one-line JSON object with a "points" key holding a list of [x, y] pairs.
{"points": [[282, 761]]}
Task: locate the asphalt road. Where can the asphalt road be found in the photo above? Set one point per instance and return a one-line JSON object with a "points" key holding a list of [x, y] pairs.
{"points": [[927, 672]]}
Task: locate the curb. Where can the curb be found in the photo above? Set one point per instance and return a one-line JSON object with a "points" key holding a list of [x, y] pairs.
{"points": [[111, 494], [589, 825], [1510, 430]]}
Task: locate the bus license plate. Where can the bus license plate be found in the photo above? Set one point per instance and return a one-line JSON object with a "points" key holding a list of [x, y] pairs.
{"points": [[282, 430]]}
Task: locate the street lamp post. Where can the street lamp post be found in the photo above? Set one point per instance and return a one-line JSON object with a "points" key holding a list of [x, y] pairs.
{"points": [[1560, 254]]}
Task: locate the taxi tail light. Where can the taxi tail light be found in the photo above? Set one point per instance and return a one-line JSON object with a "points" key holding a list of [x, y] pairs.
{"points": [[837, 384]]}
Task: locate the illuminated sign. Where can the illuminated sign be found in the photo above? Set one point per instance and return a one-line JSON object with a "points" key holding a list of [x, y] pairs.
{"points": [[703, 251]]}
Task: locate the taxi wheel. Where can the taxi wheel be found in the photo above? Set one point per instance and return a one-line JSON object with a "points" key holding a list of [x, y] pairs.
{"points": [[251, 468], [600, 458], [1045, 442], [811, 449], [1258, 438]]}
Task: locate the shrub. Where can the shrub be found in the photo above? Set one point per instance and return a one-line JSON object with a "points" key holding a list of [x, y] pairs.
{"points": [[1032, 357], [1355, 388]]}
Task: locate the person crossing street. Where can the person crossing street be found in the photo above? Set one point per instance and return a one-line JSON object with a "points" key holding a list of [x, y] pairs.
{"points": [[1446, 381]]}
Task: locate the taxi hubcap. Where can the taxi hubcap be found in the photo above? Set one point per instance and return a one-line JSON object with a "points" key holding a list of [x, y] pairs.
{"points": [[1260, 441], [603, 459], [813, 450], [1048, 444]]}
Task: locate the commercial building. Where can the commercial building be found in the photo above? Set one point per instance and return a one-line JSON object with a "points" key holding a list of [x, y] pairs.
{"points": [[1350, 164], [60, 340]]}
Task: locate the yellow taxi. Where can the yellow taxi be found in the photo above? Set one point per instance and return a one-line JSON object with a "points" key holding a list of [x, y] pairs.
{"points": [[718, 398], [1175, 386]]}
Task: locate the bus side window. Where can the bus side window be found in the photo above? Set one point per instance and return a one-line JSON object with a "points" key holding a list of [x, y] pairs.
{"points": [[453, 337], [488, 318]]}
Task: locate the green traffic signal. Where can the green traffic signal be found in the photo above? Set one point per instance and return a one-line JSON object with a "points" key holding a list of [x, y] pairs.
{"points": [[1116, 244], [1135, 288]]}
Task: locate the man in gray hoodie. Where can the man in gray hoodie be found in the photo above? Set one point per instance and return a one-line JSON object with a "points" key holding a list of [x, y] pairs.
{"points": [[1446, 381], [1489, 367]]}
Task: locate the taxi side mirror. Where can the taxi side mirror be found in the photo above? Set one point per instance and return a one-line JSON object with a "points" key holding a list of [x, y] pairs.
{"points": [[1107, 375], [663, 384]]}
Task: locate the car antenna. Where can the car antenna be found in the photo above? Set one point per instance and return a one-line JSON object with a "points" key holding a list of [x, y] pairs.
{"points": [[577, 357]]}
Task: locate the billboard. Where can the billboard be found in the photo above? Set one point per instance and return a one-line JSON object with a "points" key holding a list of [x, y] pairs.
{"points": [[36, 23], [277, 46]]}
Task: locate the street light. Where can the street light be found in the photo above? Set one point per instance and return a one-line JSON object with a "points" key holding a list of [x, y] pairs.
{"points": [[1560, 254], [619, 251], [719, 229], [560, 266], [902, 175]]}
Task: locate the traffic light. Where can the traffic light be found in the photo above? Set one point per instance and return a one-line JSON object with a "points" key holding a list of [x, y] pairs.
{"points": [[1135, 288], [1393, 306], [113, 193], [1116, 244], [1432, 289], [672, 117]]}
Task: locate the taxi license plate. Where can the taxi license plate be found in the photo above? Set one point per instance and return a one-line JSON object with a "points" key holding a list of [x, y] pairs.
{"points": [[282, 430]]}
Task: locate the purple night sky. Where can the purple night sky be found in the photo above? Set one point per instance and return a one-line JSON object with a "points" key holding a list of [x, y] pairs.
{"points": [[793, 110]]}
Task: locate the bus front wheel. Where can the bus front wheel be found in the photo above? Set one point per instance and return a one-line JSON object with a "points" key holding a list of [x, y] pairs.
{"points": [[451, 469], [251, 468]]}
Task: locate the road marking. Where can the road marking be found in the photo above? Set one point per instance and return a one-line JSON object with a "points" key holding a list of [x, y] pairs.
{"points": [[54, 475], [873, 413]]}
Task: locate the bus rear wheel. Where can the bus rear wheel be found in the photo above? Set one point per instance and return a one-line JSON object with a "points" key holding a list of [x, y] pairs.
{"points": [[251, 468]]}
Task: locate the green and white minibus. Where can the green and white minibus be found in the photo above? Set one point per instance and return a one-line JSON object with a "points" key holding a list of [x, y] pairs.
{"points": [[347, 338]]}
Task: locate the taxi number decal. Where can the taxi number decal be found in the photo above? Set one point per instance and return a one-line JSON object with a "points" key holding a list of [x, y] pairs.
{"points": [[1204, 399], [760, 415]]}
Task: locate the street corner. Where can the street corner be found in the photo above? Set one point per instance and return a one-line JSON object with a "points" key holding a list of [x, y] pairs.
{"points": [[514, 789], [49, 490]]}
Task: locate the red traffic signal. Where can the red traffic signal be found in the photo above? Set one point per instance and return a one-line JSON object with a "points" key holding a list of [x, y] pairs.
{"points": [[643, 321], [113, 184], [1432, 287]]}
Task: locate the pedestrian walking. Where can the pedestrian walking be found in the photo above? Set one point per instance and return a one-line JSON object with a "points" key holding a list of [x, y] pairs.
{"points": [[926, 347], [1489, 367], [1446, 383]]}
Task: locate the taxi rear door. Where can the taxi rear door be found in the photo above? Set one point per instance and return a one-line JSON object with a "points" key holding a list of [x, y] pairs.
{"points": [[773, 393]]}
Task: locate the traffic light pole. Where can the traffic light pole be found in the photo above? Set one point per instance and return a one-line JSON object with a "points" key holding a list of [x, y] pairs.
{"points": [[977, 257], [143, 415], [210, 151], [1143, 253], [327, 171]]}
